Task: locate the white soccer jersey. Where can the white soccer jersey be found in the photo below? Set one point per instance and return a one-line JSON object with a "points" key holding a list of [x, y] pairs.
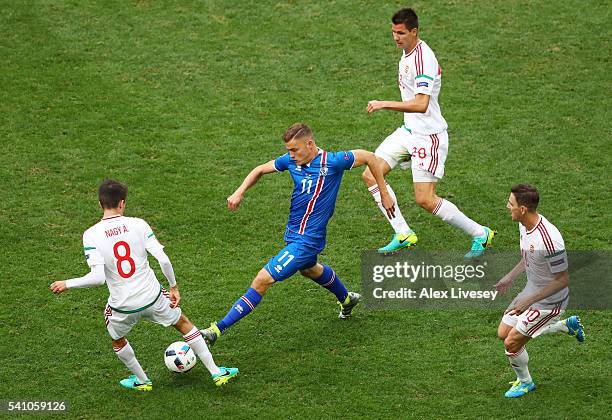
{"points": [[419, 72], [121, 244], [543, 252]]}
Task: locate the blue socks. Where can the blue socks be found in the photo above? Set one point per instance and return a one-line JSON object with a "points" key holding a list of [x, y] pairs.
{"points": [[242, 307], [247, 302], [331, 282]]}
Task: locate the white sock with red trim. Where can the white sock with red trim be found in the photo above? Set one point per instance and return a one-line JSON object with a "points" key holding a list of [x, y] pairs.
{"points": [[398, 223], [519, 362], [127, 356], [555, 327], [448, 212], [196, 342]]}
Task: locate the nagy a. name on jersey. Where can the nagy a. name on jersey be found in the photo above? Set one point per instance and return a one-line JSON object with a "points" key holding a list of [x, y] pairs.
{"points": [[116, 231]]}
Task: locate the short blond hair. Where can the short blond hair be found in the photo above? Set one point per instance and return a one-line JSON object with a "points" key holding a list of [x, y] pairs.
{"points": [[297, 131]]}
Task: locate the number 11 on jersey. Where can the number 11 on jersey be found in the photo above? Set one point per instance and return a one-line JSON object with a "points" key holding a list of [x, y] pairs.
{"points": [[304, 182]]}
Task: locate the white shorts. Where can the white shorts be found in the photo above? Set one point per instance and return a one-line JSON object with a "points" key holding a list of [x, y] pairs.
{"points": [[531, 322], [119, 324], [426, 153]]}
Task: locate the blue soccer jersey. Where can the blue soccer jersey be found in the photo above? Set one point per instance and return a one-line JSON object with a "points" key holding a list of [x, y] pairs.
{"points": [[314, 194]]}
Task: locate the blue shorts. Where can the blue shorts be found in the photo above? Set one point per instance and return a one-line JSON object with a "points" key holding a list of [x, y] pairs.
{"points": [[292, 258]]}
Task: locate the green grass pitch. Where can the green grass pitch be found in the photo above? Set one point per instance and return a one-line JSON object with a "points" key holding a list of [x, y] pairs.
{"points": [[180, 99]]}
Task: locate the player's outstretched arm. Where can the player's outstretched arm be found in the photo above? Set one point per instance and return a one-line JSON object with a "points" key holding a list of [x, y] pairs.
{"points": [[234, 200], [559, 282], [419, 104], [95, 277], [368, 158], [506, 282]]}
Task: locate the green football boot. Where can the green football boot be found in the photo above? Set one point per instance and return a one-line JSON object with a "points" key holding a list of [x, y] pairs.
{"points": [[575, 328], [400, 241], [518, 389], [226, 375], [132, 383], [480, 243]]}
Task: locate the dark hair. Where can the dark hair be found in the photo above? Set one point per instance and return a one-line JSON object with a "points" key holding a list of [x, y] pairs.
{"points": [[406, 16], [297, 131], [526, 195], [111, 192]]}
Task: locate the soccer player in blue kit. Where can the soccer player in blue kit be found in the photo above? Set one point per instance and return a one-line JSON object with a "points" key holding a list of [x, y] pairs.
{"points": [[317, 175]]}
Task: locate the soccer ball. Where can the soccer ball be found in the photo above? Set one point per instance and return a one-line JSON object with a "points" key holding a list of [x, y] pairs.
{"points": [[179, 357]]}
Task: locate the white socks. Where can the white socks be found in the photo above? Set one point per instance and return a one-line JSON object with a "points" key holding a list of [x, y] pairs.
{"points": [[555, 327], [197, 343], [193, 338], [519, 362], [127, 356], [445, 210], [448, 212], [398, 222]]}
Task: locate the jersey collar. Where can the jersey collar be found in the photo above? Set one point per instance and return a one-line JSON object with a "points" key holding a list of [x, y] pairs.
{"points": [[112, 217], [412, 50], [319, 152], [536, 225]]}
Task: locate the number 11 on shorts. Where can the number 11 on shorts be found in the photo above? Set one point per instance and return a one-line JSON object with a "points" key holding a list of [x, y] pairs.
{"points": [[289, 257]]}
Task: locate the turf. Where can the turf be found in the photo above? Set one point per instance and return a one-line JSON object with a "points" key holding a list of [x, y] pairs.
{"points": [[181, 99]]}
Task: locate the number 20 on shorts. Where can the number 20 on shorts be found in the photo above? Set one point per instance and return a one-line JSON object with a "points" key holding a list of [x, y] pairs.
{"points": [[421, 153]]}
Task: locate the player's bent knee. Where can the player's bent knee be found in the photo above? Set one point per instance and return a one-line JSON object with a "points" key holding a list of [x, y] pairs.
{"points": [[182, 322], [502, 331], [262, 281], [426, 202], [512, 345], [313, 272], [119, 343]]}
